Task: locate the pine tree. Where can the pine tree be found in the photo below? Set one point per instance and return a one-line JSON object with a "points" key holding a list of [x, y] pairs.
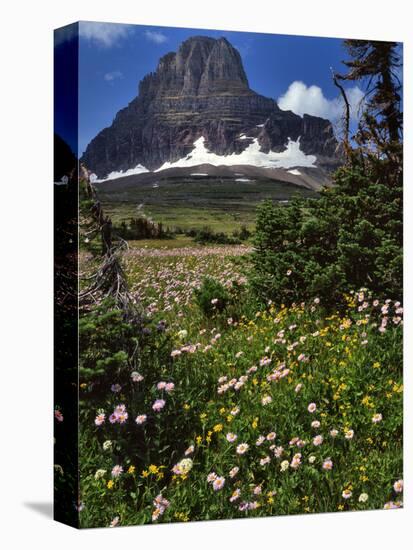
{"points": [[352, 236]]}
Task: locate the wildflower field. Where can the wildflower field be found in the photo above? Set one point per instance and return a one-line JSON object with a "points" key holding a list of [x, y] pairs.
{"points": [[225, 407]]}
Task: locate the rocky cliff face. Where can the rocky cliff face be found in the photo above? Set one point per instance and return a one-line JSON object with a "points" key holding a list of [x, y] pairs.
{"points": [[201, 90]]}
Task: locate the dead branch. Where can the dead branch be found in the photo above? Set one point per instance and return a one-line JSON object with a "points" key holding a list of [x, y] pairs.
{"points": [[346, 142]]}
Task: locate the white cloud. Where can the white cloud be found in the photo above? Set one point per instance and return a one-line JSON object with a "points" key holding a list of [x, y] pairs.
{"points": [[113, 75], [303, 99], [156, 36], [103, 34]]}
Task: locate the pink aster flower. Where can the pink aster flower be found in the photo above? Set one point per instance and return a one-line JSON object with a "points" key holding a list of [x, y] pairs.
{"points": [[218, 483], [266, 400], [318, 439], [296, 461], [116, 388], [117, 470], [58, 415], [349, 434], [392, 505], [136, 377], [170, 386], [122, 418], [235, 495], [231, 437], [398, 486], [242, 448], [328, 464], [233, 472], [156, 513], [158, 405], [100, 419], [161, 385], [378, 417], [141, 419], [211, 477], [312, 407], [278, 451], [114, 522]]}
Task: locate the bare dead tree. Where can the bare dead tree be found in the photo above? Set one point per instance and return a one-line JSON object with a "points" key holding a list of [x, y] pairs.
{"points": [[347, 112], [109, 280]]}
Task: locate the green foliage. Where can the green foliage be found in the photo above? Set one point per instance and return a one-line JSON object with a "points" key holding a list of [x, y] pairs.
{"points": [[212, 297], [142, 228], [207, 236], [349, 238], [103, 340]]}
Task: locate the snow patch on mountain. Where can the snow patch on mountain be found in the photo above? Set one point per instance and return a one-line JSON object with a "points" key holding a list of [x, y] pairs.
{"points": [[139, 169], [253, 156]]}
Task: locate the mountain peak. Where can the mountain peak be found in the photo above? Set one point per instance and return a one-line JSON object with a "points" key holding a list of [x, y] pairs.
{"points": [[202, 65], [201, 90]]}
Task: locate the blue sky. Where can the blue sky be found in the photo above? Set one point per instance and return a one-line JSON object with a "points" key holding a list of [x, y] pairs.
{"points": [[113, 58]]}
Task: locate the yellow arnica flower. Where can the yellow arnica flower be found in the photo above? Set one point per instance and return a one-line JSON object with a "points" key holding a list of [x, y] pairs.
{"points": [[131, 469], [218, 427], [110, 483], [153, 469]]}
